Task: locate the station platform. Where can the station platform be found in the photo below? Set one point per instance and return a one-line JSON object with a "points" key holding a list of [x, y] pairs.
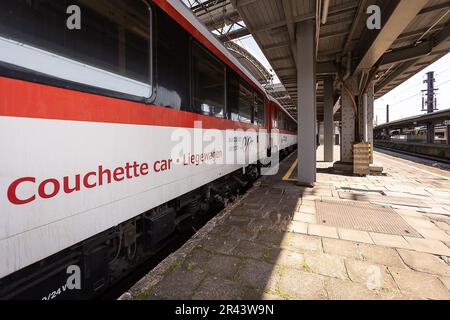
{"points": [[375, 237]]}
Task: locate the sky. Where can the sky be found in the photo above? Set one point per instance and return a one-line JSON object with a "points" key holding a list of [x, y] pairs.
{"points": [[251, 46], [406, 100]]}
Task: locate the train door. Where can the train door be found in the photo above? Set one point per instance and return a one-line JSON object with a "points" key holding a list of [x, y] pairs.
{"points": [[267, 126], [274, 133], [261, 122]]}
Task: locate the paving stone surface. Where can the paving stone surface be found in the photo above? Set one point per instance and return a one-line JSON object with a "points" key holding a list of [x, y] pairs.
{"points": [[304, 217], [420, 284], [198, 258], [259, 274], [424, 262], [354, 235], [389, 240], [446, 281], [189, 278], [371, 275], [342, 247], [303, 243], [288, 258], [302, 285], [250, 250], [223, 266], [214, 288], [268, 244], [381, 255], [434, 233], [298, 227], [428, 245], [347, 290], [323, 231], [325, 264]]}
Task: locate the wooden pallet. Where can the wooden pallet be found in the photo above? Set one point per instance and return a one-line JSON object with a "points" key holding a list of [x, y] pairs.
{"points": [[361, 158]]}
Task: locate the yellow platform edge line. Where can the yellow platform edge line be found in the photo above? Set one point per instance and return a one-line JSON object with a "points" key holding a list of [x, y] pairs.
{"points": [[289, 172]]}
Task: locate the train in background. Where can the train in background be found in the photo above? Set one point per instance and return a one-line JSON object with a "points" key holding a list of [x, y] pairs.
{"points": [[418, 135], [88, 185]]}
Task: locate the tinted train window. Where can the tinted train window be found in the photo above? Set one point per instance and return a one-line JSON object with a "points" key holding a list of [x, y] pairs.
{"points": [[233, 95], [110, 51], [281, 120], [259, 110], [246, 102], [172, 62], [208, 83]]}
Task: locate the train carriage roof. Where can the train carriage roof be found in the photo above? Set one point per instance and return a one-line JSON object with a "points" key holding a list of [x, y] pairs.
{"points": [[273, 100]]}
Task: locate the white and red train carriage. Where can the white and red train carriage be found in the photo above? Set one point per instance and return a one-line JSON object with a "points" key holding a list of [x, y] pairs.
{"points": [[89, 120]]}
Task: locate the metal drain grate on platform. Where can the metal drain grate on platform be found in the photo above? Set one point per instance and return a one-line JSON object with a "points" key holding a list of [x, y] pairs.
{"points": [[362, 216]]}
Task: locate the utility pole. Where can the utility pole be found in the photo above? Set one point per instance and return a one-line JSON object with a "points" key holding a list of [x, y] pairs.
{"points": [[429, 101], [387, 113]]}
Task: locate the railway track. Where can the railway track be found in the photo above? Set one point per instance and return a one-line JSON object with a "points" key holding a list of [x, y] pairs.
{"points": [[140, 271], [426, 157]]}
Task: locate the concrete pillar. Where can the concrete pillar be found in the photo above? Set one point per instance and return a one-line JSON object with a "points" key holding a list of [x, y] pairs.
{"points": [[348, 114], [328, 122], [306, 105], [370, 113]]}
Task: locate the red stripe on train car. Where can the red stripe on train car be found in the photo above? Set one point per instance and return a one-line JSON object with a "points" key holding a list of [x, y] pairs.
{"points": [[31, 100], [288, 132]]}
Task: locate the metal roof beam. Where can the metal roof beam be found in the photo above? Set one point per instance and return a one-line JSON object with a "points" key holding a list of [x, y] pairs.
{"points": [[438, 44], [436, 7], [276, 45], [291, 27], [329, 35], [215, 24], [242, 3], [419, 32], [235, 34], [402, 13], [275, 60], [326, 68], [407, 53], [206, 5], [336, 10], [359, 13]]}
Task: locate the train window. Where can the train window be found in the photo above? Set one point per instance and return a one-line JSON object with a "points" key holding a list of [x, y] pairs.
{"points": [[272, 118], [208, 83], [246, 102], [293, 127], [232, 95], [280, 120], [172, 69], [109, 50], [259, 110]]}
